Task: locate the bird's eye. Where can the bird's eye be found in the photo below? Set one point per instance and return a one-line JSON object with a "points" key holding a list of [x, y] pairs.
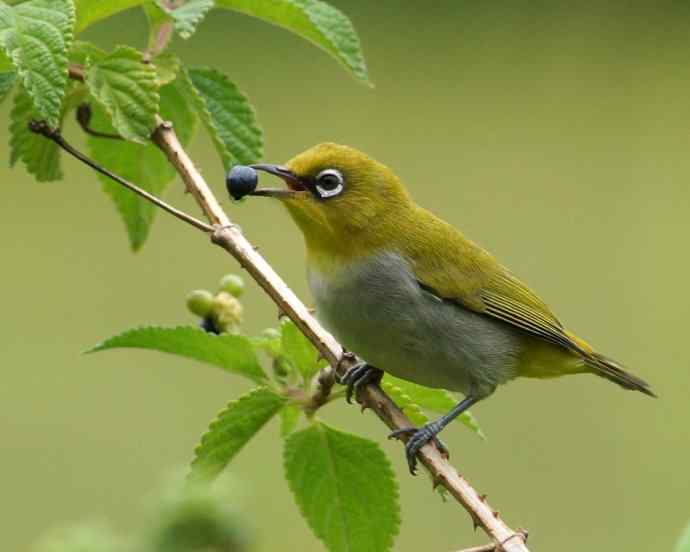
{"points": [[329, 183]]}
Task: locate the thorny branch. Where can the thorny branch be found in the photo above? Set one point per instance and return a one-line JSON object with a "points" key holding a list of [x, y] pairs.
{"points": [[228, 236]]}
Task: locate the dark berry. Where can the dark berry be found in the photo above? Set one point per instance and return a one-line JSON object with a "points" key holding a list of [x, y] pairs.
{"points": [[241, 181], [209, 325]]}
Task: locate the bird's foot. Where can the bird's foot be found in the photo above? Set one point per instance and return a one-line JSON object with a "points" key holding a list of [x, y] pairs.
{"points": [[418, 438], [357, 376]]}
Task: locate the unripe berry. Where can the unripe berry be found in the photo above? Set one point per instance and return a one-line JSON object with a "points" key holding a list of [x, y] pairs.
{"points": [[227, 312], [200, 302], [232, 284]]}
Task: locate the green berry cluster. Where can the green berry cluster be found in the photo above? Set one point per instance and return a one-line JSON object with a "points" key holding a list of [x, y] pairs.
{"points": [[220, 312]]}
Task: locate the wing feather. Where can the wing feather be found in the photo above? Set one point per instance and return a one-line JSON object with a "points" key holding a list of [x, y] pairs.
{"points": [[466, 274]]}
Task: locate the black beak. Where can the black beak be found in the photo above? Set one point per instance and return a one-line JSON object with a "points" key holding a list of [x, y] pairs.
{"points": [[290, 178]]}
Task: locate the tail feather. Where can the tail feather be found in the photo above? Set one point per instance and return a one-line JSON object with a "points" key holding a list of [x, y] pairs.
{"points": [[609, 369]]}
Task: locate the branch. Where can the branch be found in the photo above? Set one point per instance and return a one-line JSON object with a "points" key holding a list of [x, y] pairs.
{"points": [[228, 236]]}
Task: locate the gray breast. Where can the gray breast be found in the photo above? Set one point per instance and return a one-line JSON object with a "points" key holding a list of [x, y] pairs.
{"points": [[377, 309]]}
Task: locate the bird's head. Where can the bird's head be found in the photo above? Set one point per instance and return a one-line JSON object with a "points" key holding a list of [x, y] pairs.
{"points": [[338, 196]]}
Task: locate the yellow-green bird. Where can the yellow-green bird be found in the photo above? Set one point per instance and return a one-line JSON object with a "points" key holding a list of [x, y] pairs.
{"points": [[410, 295]]}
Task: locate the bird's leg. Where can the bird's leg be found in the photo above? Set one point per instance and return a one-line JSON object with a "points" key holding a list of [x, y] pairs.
{"points": [[428, 432], [357, 376]]}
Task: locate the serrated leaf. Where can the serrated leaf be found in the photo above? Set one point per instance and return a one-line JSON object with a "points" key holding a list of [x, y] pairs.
{"points": [[232, 429], [269, 342], [412, 410], [145, 165], [313, 20], [128, 89], [81, 51], [317, 21], [345, 488], [167, 68], [299, 350], [93, 11], [187, 16], [289, 417], [684, 542], [232, 353], [36, 35], [7, 81], [227, 115], [40, 156], [436, 400], [6, 65]]}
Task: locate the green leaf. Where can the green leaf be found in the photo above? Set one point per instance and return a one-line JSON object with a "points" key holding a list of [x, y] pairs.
{"points": [[228, 116], [6, 65], [684, 542], [232, 353], [40, 156], [269, 342], [187, 16], [82, 51], [167, 68], [299, 350], [92, 11], [314, 20], [345, 488], [289, 417], [7, 81], [412, 410], [232, 429], [145, 165], [436, 400], [37, 35], [128, 89]]}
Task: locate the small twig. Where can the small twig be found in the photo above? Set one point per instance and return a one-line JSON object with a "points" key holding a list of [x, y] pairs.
{"points": [[83, 115], [76, 72], [324, 383], [40, 127], [160, 42]]}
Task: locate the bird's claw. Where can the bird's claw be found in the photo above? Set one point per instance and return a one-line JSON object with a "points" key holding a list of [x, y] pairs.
{"points": [[357, 376], [418, 438]]}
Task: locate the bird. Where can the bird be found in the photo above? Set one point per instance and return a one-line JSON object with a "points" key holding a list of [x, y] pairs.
{"points": [[410, 295]]}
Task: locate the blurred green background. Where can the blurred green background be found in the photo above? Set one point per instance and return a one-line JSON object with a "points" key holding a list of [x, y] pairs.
{"points": [[555, 135]]}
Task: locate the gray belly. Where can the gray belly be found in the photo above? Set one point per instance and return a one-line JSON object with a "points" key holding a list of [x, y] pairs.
{"points": [[377, 310]]}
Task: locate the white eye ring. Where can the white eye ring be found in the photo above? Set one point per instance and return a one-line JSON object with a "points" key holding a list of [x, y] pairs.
{"points": [[334, 177]]}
